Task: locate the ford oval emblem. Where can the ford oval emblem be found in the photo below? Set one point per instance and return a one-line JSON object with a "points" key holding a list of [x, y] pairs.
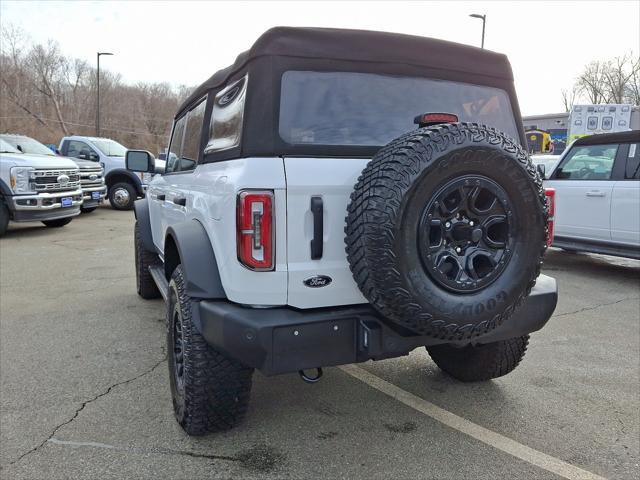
{"points": [[63, 179], [317, 281]]}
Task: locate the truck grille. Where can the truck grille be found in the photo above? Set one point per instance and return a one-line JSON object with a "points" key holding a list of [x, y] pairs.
{"points": [[48, 180], [91, 177]]}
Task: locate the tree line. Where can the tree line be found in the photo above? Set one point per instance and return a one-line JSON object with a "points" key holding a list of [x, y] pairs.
{"points": [[606, 81], [47, 95]]}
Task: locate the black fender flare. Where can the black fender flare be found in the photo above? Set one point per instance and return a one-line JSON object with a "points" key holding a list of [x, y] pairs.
{"points": [[198, 260], [137, 183], [141, 212]]}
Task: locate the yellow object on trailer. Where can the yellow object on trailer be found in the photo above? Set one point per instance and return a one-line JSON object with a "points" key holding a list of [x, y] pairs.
{"points": [[539, 141]]}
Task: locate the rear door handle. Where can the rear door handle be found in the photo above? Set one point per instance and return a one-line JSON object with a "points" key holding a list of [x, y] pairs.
{"points": [[596, 193], [317, 210], [180, 201], [160, 197]]}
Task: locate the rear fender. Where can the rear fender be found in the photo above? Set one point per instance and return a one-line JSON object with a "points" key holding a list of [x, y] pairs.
{"points": [[194, 252]]}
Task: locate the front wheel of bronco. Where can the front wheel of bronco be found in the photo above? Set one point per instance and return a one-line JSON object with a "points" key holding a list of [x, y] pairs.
{"points": [[144, 259], [210, 391], [477, 363]]}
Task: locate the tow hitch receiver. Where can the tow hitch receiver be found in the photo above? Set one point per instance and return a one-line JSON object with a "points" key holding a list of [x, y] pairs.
{"points": [[309, 379]]}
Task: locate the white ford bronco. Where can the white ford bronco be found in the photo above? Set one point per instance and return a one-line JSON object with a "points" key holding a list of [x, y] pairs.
{"points": [[37, 188], [336, 196]]}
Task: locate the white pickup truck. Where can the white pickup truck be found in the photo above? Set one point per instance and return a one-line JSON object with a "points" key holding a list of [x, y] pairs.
{"points": [[36, 188], [123, 186], [597, 185]]}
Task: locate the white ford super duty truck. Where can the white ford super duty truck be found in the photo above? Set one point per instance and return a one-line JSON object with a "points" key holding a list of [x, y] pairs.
{"points": [[337, 196], [36, 188]]}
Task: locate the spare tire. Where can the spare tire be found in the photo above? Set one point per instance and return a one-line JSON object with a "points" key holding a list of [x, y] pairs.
{"points": [[446, 230]]}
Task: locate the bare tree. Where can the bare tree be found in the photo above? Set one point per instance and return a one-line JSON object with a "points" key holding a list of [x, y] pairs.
{"points": [[632, 89], [616, 76], [591, 82], [45, 94], [569, 97]]}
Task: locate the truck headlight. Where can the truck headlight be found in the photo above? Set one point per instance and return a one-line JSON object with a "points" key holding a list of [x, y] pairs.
{"points": [[21, 180]]}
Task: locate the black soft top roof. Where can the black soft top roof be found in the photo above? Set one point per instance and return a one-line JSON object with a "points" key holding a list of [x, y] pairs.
{"points": [[363, 46], [606, 138]]}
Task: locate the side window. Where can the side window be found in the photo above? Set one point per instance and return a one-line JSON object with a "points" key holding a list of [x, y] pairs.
{"points": [[589, 162], [78, 149], [185, 143], [632, 170], [192, 133], [225, 130], [175, 148]]}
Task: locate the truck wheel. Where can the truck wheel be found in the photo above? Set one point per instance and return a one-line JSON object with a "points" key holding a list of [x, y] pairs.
{"points": [[210, 391], [87, 209], [480, 362], [122, 195], [446, 230], [145, 284], [4, 217], [61, 222]]}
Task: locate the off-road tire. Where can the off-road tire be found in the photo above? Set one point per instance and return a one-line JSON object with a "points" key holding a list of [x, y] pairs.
{"points": [[61, 222], [131, 191], [216, 388], [4, 217], [144, 259], [87, 209], [481, 362], [385, 209]]}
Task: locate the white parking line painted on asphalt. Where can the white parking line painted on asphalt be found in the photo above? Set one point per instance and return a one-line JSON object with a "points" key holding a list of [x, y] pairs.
{"points": [[489, 437]]}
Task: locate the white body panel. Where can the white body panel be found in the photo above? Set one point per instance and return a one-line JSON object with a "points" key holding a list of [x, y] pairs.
{"points": [[210, 191], [333, 180], [583, 208], [625, 212]]}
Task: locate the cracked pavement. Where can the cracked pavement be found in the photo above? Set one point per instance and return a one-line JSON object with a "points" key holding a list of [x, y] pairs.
{"points": [[84, 387]]}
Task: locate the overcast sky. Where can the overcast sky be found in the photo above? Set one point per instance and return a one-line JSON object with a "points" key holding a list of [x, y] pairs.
{"points": [[548, 43]]}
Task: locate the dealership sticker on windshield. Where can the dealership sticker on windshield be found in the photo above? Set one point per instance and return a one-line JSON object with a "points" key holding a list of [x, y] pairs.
{"points": [[66, 201]]}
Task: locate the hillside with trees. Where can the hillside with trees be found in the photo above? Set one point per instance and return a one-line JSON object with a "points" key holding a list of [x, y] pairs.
{"points": [[47, 95]]}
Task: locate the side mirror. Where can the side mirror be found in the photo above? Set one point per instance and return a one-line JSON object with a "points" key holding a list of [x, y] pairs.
{"points": [[83, 155], [94, 157], [541, 170], [139, 161]]}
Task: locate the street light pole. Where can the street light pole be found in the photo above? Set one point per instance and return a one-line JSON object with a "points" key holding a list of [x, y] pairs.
{"points": [[484, 21], [98, 93]]}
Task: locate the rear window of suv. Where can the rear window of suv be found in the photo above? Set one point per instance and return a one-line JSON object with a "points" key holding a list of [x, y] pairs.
{"points": [[363, 109]]}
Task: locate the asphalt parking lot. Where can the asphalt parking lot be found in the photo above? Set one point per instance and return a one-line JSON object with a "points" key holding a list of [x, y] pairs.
{"points": [[84, 384]]}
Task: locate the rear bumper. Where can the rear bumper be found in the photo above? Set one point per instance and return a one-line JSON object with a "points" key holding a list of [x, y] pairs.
{"points": [[283, 340]]}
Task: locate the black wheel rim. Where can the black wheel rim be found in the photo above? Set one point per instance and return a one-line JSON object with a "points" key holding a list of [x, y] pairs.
{"points": [[178, 350], [465, 235]]}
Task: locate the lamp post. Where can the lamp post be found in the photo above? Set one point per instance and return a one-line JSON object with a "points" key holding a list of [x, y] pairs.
{"points": [[98, 94], [484, 21]]}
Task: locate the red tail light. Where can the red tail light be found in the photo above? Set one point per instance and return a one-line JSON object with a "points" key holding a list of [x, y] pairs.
{"points": [[255, 230], [550, 195]]}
